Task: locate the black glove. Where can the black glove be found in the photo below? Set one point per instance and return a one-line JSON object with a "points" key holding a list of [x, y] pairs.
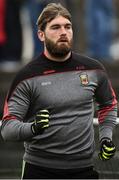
{"points": [[107, 150], [41, 122]]}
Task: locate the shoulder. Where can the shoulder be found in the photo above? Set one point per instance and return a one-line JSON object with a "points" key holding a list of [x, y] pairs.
{"points": [[32, 69], [88, 62]]}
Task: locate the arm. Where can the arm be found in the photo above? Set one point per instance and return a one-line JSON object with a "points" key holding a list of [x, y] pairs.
{"points": [[20, 122], [107, 106], [14, 125], [107, 115]]}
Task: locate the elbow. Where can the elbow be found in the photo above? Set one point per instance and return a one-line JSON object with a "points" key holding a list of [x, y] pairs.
{"points": [[4, 134], [7, 132]]}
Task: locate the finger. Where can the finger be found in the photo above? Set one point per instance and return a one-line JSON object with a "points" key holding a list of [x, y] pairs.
{"points": [[43, 121], [43, 115], [44, 111], [109, 148], [107, 154], [103, 157], [44, 125]]}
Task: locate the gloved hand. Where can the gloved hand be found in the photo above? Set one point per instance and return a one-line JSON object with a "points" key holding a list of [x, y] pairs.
{"points": [[107, 150], [41, 122]]}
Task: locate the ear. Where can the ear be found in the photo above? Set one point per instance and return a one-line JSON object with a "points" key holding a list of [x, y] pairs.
{"points": [[41, 35]]}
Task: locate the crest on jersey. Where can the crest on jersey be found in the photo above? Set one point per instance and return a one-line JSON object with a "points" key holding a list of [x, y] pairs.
{"points": [[84, 79]]}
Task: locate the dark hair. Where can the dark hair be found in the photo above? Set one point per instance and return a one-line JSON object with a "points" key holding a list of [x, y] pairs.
{"points": [[50, 12]]}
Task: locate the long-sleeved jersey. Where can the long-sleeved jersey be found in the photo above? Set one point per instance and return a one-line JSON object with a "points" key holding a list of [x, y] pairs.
{"points": [[68, 90]]}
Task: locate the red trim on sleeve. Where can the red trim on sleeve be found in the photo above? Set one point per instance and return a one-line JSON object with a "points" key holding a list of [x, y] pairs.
{"points": [[6, 114], [102, 113]]}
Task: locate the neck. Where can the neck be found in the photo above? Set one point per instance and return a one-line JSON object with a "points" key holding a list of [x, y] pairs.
{"points": [[58, 59]]}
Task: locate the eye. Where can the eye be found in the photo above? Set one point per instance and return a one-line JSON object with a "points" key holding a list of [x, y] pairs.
{"points": [[55, 27], [68, 26]]}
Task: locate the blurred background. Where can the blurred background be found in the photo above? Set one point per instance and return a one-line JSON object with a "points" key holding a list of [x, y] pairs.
{"points": [[96, 34]]}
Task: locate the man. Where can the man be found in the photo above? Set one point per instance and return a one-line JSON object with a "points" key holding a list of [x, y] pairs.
{"points": [[50, 105]]}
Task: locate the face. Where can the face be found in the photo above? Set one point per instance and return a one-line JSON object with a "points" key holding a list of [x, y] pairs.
{"points": [[57, 37]]}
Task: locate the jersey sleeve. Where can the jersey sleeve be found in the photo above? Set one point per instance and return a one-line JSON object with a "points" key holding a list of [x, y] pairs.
{"points": [[107, 106], [14, 125]]}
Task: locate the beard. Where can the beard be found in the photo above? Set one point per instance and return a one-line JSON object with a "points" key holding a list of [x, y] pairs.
{"points": [[58, 49]]}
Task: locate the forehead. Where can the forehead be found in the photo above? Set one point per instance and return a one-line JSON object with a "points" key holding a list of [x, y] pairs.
{"points": [[60, 20]]}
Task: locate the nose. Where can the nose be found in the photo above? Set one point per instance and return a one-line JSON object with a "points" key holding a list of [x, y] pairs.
{"points": [[63, 30]]}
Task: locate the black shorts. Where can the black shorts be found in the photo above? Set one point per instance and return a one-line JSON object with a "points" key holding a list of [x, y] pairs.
{"points": [[31, 171]]}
